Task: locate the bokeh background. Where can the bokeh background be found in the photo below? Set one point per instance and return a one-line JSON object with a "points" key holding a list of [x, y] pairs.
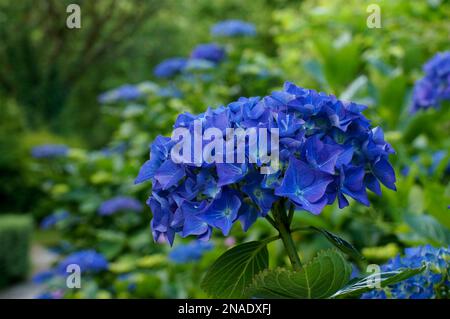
{"points": [[79, 108]]}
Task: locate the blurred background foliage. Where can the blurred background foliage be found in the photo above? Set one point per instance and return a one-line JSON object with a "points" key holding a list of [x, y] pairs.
{"points": [[51, 78]]}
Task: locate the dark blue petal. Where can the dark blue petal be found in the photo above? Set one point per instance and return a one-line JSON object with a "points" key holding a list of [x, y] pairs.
{"points": [[385, 173], [169, 174]]}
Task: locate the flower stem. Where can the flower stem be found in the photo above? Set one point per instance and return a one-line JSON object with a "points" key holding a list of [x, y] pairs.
{"points": [[282, 225]]}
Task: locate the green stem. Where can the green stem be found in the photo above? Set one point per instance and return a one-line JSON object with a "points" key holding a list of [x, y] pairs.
{"points": [[282, 226], [291, 213], [271, 221], [290, 247], [297, 229]]}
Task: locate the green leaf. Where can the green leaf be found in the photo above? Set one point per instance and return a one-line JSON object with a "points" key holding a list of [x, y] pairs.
{"points": [[436, 193], [314, 68], [151, 261], [353, 88], [124, 264], [232, 272], [340, 243], [427, 230], [358, 286], [321, 278], [110, 243]]}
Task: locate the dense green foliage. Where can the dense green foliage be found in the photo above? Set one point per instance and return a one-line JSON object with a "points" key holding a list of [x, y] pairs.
{"points": [[15, 237]]}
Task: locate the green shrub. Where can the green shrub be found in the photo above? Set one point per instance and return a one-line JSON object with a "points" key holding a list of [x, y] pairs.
{"points": [[15, 234]]}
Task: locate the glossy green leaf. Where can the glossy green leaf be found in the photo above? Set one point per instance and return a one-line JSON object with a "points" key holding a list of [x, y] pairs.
{"points": [[427, 230], [358, 286], [321, 278], [340, 243], [232, 272]]}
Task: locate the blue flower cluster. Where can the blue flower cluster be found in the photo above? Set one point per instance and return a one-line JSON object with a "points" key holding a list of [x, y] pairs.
{"points": [[125, 93], [49, 151], [43, 276], [51, 220], [89, 261], [193, 251], [170, 67], [434, 282], [119, 203], [434, 87], [233, 28], [209, 51], [203, 57], [327, 151]]}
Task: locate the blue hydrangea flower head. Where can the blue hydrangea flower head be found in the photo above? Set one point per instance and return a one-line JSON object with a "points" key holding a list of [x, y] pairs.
{"points": [[328, 152], [170, 67], [125, 93], [434, 282], [210, 52], [49, 151], [51, 220], [118, 204], [88, 260], [434, 88], [193, 251], [233, 28]]}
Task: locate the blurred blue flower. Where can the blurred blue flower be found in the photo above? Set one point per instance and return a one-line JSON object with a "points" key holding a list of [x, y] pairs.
{"points": [[119, 203], [432, 283], [434, 88], [430, 167], [170, 67], [233, 28], [327, 151], [88, 260], [51, 220], [57, 294], [49, 151], [210, 52], [43, 276], [193, 251], [125, 92]]}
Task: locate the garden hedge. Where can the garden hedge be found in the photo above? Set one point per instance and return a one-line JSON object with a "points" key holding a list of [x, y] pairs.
{"points": [[15, 235]]}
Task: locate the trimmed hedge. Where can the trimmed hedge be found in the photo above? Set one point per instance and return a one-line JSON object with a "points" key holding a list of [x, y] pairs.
{"points": [[15, 235]]}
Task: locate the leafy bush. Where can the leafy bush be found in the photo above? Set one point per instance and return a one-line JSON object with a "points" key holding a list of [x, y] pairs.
{"points": [[15, 233]]}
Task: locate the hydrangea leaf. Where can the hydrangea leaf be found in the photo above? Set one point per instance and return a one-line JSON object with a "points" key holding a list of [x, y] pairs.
{"points": [[425, 230], [123, 265], [358, 286], [340, 243], [233, 272], [110, 243], [321, 278]]}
